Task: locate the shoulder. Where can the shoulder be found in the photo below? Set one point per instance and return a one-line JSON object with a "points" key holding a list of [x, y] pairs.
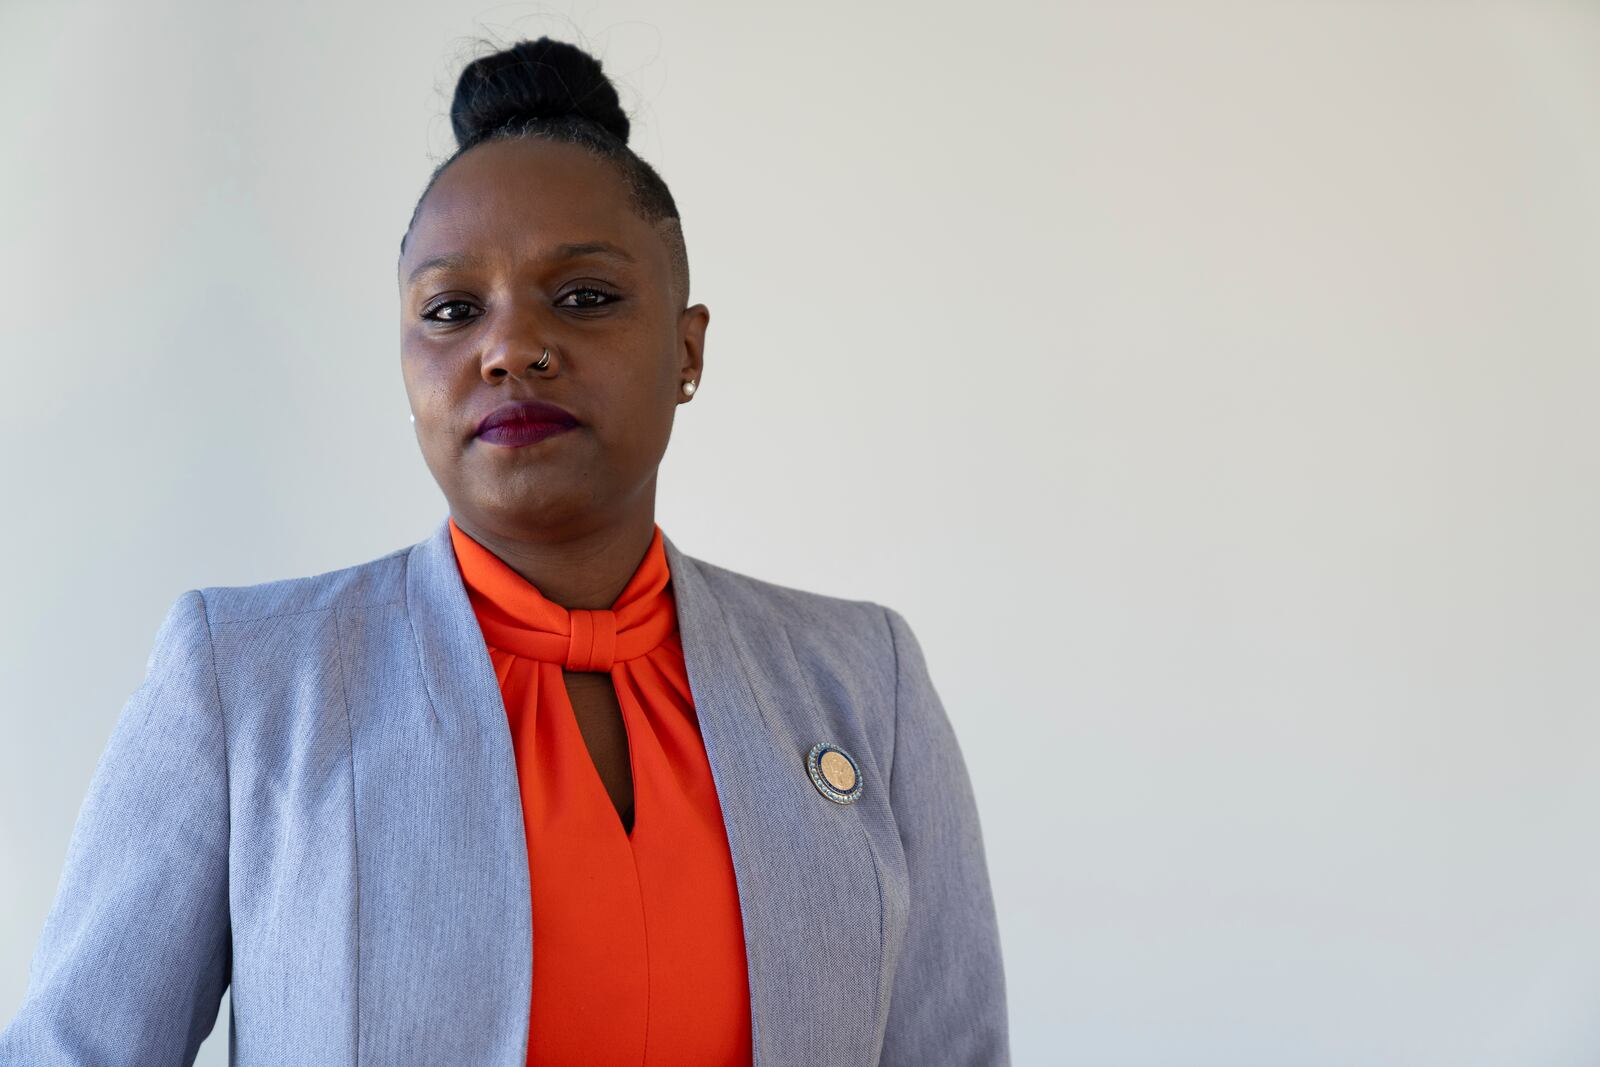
{"points": [[370, 583], [831, 636], [800, 609]]}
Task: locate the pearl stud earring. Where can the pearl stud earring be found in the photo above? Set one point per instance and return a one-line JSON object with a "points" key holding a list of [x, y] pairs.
{"points": [[688, 387]]}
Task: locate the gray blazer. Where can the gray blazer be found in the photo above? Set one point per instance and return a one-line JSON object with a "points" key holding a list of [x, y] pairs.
{"points": [[312, 799]]}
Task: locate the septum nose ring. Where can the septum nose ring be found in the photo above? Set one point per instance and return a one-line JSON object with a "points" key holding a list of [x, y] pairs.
{"points": [[544, 361]]}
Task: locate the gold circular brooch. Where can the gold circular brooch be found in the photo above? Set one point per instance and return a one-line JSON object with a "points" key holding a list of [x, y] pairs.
{"points": [[834, 772]]}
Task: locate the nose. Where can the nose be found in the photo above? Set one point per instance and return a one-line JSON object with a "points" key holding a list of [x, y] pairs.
{"points": [[514, 343]]}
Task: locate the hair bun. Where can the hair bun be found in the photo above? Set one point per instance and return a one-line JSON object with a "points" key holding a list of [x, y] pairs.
{"points": [[542, 79]]}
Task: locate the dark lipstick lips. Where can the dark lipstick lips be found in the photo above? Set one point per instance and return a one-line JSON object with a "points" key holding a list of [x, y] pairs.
{"points": [[525, 422]]}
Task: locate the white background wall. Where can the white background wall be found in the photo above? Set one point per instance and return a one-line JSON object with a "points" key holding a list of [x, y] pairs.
{"points": [[1211, 385]]}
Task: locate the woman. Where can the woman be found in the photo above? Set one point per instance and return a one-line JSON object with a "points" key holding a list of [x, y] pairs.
{"points": [[540, 788]]}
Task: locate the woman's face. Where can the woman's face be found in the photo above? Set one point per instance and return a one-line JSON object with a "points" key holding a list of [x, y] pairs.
{"points": [[486, 286]]}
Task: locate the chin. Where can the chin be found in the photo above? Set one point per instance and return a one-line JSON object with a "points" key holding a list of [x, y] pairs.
{"points": [[531, 503]]}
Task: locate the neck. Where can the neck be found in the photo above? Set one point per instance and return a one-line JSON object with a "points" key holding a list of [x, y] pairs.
{"points": [[576, 568]]}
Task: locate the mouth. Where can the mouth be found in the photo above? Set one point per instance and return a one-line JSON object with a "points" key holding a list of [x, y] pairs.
{"points": [[517, 434], [525, 423]]}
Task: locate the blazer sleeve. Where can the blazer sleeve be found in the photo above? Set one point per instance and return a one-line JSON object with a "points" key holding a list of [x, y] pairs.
{"points": [[948, 1004], [136, 948]]}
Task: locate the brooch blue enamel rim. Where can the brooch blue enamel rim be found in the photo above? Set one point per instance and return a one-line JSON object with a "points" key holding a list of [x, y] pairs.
{"points": [[822, 781]]}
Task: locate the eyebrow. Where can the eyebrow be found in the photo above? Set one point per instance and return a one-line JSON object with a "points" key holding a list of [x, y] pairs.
{"points": [[571, 250]]}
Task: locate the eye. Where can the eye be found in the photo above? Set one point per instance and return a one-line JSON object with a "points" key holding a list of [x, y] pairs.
{"points": [[607, 297], [457, 316]]}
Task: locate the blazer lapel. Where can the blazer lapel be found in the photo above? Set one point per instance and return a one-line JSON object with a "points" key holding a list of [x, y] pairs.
{"points": [[444, 920], [810, 884]]}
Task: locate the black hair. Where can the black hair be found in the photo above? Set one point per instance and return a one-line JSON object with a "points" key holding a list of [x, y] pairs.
{"points": [[557, 91]]}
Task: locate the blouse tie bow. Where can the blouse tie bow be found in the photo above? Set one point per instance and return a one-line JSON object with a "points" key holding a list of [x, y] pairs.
{"points": [[583, 639], [516, 617]]}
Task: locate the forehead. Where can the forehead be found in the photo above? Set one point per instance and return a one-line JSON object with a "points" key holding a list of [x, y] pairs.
{"points": [[515, 201]]}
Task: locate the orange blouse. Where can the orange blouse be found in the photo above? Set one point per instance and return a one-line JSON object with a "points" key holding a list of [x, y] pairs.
{"points": [[638, 946]]}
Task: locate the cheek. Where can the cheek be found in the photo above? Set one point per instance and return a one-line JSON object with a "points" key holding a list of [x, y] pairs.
{"points": [[643, 418], [413, 372], [427, 385]]}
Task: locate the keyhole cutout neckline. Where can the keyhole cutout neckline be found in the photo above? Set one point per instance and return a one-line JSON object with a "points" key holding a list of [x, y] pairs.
{"points": [[609, 742], [518, 619]]}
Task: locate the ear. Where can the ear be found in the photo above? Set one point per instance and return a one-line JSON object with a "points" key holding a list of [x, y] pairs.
{"points": [[692, 322]]}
